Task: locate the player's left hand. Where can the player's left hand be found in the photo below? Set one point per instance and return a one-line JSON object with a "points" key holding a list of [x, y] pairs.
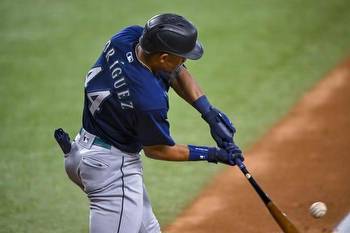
{"points": [[235, 152], [221, 128], [220, 155]]}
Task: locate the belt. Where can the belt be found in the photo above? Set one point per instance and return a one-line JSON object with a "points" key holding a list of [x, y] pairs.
{"points": [[99, 142]]}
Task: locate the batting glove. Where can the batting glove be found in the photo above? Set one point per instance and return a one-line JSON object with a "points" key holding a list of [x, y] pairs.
{"points": [[215, 155], [219, 155], [63, 140], [221, 128]]}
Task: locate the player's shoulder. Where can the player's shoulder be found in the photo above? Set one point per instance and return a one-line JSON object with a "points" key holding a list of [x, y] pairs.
{"points": [[127, 35]]}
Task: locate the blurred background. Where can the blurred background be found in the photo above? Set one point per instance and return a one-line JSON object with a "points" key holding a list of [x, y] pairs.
{"points": [[260, 57]]}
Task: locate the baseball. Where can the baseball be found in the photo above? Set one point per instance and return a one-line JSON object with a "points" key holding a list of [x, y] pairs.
{"points": [[318, 209]]}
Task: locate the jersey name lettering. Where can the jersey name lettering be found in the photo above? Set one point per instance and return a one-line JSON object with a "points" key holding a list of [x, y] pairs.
{"points": [[120, 84]]}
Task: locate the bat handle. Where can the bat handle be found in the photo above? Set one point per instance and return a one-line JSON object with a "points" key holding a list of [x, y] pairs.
{"points": [[264, 197], [239, 163], [241, 166]]}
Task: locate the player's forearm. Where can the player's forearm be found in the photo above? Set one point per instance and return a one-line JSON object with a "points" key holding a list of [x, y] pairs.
{"points": [[169, 153], [186, 86], [193, 153]]}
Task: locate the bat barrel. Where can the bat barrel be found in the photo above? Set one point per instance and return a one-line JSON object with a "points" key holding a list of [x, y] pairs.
{"points": [[281, 218]]}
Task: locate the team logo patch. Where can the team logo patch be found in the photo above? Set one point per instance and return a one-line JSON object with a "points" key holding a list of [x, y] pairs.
{"points": [[129, 57]]}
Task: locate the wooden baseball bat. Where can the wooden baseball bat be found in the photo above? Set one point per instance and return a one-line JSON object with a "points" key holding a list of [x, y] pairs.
{"points": [[281, 218]]}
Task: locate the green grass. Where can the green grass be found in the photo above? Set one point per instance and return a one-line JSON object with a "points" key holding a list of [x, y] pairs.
{"points": [[260, 57]]}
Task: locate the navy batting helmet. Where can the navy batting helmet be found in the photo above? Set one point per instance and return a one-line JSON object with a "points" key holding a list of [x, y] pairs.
{"points": [[171, 33]]}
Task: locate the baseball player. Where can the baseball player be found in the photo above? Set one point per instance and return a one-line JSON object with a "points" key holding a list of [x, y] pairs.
{"points": [[125, 111]]}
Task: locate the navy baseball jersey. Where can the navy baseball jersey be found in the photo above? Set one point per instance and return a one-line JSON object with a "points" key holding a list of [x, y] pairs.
{"points": [[125, 103]]}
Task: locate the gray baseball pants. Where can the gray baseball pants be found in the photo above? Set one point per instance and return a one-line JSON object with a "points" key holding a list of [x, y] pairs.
{"points": [[113, 182]]}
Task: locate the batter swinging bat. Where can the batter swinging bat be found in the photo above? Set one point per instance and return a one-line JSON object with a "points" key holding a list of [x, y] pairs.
{"points": [[280, 217]]}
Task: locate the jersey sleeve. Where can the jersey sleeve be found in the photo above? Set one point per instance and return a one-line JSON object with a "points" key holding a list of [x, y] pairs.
{"points": [[153, 128], [130, 34]]}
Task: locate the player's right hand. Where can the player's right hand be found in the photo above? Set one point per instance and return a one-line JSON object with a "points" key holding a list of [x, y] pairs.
{"points": [[221, 128], [228, 157]]}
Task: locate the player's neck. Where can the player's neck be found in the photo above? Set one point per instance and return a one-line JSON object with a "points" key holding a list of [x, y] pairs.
{"points": [[140, 55]]}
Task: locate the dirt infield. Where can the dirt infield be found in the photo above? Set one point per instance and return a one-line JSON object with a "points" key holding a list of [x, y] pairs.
{"points": [[303, 159]]}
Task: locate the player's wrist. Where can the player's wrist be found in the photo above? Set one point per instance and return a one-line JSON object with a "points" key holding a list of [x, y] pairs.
{"points": [[202, 105], [198, 153]]}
